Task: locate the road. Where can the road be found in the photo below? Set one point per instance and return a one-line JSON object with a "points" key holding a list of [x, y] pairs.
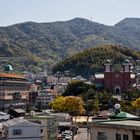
{"points": [[82, 135]]}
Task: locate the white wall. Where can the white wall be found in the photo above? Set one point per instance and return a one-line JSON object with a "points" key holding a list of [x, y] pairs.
{"points": [[33, 132], [110, 132]]}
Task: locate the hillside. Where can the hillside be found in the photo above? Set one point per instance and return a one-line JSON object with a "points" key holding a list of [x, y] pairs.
{"points": [[92, 60], [31, 45]]}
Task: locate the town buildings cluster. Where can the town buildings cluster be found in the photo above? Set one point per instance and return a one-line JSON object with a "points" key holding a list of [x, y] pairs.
{"points": [[19, 93]]}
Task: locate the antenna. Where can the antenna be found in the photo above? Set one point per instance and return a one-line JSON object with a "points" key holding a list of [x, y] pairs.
{"points": [[91, 18]]}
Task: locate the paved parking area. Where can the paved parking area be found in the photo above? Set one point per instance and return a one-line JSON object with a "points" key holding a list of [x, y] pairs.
{"points": [[82, 134]]}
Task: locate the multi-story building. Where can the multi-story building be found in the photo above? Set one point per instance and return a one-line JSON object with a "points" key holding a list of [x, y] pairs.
{"points": [[43, 99], [14, 90], [137, 72]]}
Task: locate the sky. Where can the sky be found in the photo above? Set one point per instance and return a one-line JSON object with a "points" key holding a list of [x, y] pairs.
{"points": [[107, 12]]}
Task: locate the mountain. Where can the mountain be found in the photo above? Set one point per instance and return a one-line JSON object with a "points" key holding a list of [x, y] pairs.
{"points": [[31, 46], [92, 60]]}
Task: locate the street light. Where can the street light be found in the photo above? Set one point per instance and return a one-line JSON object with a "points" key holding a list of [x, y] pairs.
{"points": [[117, 108]]}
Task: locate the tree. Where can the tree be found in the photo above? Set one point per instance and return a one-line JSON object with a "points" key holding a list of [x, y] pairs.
{"points": [[136, 103], [77, 87], [68, 104], [58, 104]]}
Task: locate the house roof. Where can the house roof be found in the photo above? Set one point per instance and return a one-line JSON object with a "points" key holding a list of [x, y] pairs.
{"points": [[121, 123], [127, 124], [19, 110], [19, 122], [11, 75], [123, 115]]}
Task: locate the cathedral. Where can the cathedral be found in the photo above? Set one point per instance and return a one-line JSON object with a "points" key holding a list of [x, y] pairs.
{"points": [[116, 81]]}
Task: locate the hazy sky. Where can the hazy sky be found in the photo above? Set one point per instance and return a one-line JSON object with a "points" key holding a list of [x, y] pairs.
{"points": [[106, 12]]}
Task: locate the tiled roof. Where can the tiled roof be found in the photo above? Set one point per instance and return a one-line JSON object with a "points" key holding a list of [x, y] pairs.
{"points": [[11, 75]]}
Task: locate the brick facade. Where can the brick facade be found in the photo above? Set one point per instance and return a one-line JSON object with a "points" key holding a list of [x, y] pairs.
{"points": [[116, 81]]}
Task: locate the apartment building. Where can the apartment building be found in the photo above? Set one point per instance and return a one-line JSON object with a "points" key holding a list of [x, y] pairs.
{"points": [[43, 99], [14, 91]]}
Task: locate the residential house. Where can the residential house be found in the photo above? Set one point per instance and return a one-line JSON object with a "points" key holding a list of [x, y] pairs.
{"points": [[21, 129]]}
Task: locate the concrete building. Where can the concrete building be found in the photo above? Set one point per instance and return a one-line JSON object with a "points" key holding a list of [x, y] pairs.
{"points": [[43, 99], [137, 72], [49, 125], [125, 129], [14, 90]]}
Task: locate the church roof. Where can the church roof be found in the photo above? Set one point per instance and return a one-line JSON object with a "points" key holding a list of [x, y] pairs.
{"points": [[99, 76]]}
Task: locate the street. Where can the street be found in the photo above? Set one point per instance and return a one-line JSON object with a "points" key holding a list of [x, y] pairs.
{"points": [[82, 134]]}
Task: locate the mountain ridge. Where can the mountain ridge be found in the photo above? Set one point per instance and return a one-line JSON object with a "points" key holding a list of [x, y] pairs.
{"points": [[48, 43]]}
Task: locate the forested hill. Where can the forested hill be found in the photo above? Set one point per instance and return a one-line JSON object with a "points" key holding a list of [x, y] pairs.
{"points": [[92, 60], [31, 45]]}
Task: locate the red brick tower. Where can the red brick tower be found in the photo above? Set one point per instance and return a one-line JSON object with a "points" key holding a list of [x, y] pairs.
{"points": [[126, 74], [107, 75]]}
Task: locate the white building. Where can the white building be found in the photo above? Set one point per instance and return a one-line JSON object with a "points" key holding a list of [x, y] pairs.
{"points": [[4, 116], [21, 129], [124, 129]]}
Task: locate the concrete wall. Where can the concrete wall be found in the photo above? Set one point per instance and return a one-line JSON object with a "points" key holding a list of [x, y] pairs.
{"points": [[110, 132], [26, 132]]}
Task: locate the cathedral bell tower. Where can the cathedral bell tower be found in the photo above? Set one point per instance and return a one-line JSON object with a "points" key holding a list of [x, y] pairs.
{"points": [[107, 74], [126, 66], [108, 66], [127, 74]]}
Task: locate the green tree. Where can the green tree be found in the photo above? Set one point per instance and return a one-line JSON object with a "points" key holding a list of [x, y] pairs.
{"points": [[77, 87]]}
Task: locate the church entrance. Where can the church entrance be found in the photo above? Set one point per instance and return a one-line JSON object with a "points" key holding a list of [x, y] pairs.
{"points": [[117, 90]]}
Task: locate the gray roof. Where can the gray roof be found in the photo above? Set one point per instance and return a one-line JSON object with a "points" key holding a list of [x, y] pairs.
{"points": [[14, 121], [127, 124], [124, 124], [17, 121]]}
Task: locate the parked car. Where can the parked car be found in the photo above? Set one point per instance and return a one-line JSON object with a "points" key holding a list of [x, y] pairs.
{"points": [[67, 135], [69, 132]]}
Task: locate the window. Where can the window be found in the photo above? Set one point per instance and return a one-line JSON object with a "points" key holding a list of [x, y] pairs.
{"points": [[41, 130], [101, 136], [17, 132], [118, 136], [125, 137]]}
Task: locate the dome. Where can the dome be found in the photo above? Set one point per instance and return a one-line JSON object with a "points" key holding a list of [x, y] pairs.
{"points": [[126, 61], [8, 68], [108, 61]]}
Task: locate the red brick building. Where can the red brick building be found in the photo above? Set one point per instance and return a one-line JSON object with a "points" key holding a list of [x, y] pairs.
{"points": [[116, 81]]}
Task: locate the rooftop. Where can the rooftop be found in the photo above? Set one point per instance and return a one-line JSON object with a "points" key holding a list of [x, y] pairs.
{"points": [[11, 75], [122, 123], [14, 121], [99, 76], [17, 121]]}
